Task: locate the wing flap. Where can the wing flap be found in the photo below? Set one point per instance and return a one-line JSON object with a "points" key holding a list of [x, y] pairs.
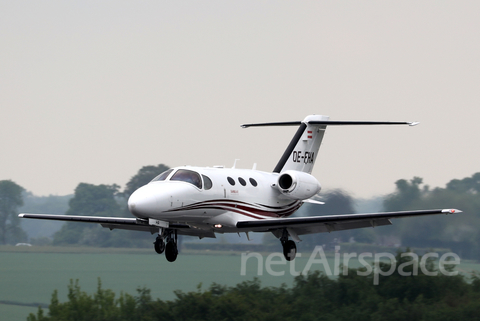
{"points": [[182, 229], [332, 227]]}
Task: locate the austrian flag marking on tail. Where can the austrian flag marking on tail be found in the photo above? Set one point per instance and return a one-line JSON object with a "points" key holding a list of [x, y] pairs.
{"points": [[308, 135]]}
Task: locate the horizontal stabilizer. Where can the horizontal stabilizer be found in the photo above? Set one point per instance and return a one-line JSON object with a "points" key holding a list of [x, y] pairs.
{"points": [[332, 123], [302, 151]]}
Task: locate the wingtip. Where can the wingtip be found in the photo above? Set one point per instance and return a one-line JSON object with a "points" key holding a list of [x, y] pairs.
{"points": [[21, 215], [451, 211], [413, 123]]}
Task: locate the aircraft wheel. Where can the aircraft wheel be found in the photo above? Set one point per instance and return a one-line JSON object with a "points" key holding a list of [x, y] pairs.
{"points": [[289, 250], [171, 251], [159, 245]]}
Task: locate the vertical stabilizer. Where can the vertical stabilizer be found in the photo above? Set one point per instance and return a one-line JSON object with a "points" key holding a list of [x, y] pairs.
{"points": [[302, 151]]}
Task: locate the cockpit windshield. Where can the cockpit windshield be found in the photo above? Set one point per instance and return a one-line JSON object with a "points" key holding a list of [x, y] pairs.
{"points": [[185, 175], [162, 176]]}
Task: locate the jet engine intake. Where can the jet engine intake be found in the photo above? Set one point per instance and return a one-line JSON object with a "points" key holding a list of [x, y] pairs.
{"points": [[298, 185]]}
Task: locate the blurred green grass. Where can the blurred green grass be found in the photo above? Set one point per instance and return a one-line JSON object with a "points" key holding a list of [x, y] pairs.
{"points": [[31, 274]]}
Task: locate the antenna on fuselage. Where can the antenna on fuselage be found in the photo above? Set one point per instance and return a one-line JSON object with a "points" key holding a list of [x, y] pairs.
{"points": [[235, 162]]}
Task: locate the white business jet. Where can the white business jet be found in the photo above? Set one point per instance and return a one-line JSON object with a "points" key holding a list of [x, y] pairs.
{"points": [[202, 201]]}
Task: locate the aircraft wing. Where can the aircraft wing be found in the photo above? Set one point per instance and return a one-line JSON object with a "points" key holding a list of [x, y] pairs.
{"points": [[297, 225], [122, 223], [329, 223]]}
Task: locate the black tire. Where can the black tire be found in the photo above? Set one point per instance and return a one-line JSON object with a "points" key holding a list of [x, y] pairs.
{"points": [[159, 245], [171, 251], [289, 250]]}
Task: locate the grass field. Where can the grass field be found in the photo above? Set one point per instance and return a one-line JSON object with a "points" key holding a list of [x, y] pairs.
{"points": [[30, 275]]}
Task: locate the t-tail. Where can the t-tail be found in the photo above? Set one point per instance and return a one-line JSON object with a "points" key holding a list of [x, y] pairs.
{"points": [[302, 151]]}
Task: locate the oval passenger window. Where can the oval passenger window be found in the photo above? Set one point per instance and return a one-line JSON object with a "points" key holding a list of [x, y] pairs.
{"points": [[242, 181]]}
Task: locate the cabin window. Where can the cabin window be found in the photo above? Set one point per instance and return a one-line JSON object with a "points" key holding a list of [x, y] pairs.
{"points": [[253, 182], [242, 181], [231, 181], [207, 182], [162, 176], [185, 175]]}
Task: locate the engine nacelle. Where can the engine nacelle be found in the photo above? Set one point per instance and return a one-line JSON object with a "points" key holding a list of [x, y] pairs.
{"points": [[298, 185]]}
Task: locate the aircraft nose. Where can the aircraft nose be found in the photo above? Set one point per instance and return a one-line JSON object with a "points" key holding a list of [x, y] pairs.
{"points": [[143, 202]]}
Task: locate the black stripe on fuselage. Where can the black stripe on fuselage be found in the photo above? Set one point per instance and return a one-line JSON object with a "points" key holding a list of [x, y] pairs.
{"points": [[290, 148]]}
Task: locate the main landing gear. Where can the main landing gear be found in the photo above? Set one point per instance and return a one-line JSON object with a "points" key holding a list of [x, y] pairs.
{"points": [[167, 242], [289, 247]]}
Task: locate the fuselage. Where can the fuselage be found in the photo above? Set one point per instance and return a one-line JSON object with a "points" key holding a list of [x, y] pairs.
{"points": [[211, 197]]}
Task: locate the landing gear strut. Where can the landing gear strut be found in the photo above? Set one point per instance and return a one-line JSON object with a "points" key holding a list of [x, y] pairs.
{"points": [[289, 247], [167, 242]]}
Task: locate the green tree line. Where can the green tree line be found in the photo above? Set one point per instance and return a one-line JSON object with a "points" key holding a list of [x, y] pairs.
{"points": [[312, 297], [105, 200], [10, 199], [458, 233], [88, 199]]}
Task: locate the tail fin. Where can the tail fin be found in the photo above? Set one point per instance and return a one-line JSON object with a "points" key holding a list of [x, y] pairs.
{"points": [[302, 151]]}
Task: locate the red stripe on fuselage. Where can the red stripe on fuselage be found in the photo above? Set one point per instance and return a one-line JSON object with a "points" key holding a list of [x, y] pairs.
{"points": [[248, 209]]}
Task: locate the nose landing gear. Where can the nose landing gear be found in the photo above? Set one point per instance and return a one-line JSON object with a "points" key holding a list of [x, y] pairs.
{"points": [[167, 242]]}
